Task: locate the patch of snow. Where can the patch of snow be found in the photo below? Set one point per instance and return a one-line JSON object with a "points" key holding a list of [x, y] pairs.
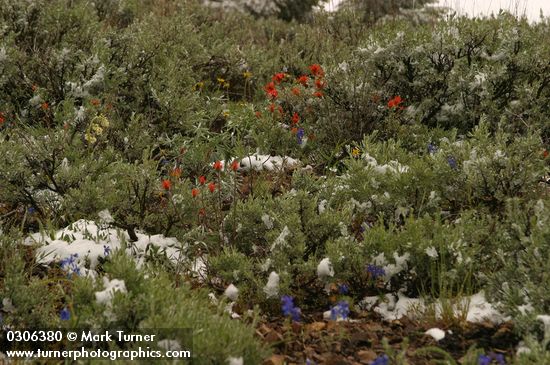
{"points": [[265, 162], [235, 361], [271, 289], [368, 302], [325, 269], [479, 309], [111, 287], [231, 292], [394, 307], [545, 319], [90, 241], [436, 333]]}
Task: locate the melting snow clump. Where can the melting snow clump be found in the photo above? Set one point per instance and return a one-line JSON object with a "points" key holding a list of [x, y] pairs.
{"points": [[436, 333], [111, 286], [324, 269], [271, 289], [231, 292]]}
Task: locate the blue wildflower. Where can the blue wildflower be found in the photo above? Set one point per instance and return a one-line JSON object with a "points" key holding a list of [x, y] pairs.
{"points": [[499, 358], [106, 250], [288, 308], [65, 315], [309, 362], [452, 162], [31, 210], [488, 359], [69, 264], [375, 271], [300, 135], [343, 289], [483, 360], [340, 310], [381, 360], [432, 148]]}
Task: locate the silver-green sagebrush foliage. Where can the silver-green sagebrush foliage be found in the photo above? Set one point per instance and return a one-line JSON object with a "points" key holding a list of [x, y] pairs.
{"points": [[411, 156]]}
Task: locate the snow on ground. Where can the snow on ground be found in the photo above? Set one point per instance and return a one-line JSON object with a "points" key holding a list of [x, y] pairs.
{"points": [[111, 287], [392, 307], [265, 162], [436, 333], [79, 246]]}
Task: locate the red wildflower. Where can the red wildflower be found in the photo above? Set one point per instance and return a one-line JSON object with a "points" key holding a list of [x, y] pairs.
{"points": [[280, 109], [212, 187], [45, 106], [195, 192], [294, 130], [394, 103], [2, 119], [217, 165], [235, 165], [320, 84], [202, 180], [296, 91], [271, 107], [176, 172], [318, 94], [295, 118], [258, 114], [95, 102], [202, 212], [278, 77], [545, 153], [317, 70], [270, 90], [302, 80], [166, 184]]}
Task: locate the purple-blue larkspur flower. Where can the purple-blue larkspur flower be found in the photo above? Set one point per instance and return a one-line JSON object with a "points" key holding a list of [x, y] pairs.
{"points": [[343, 289], [381, 360], [375, 271], [340, 310], [300, 135], [288, 308], [483, 360], [106, 250], [432, 148], [69, 264], [452, 162], [65, 315]]}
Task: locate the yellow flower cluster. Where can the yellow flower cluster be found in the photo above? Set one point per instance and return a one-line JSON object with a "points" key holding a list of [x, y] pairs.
{"points": [[95, 129]]}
